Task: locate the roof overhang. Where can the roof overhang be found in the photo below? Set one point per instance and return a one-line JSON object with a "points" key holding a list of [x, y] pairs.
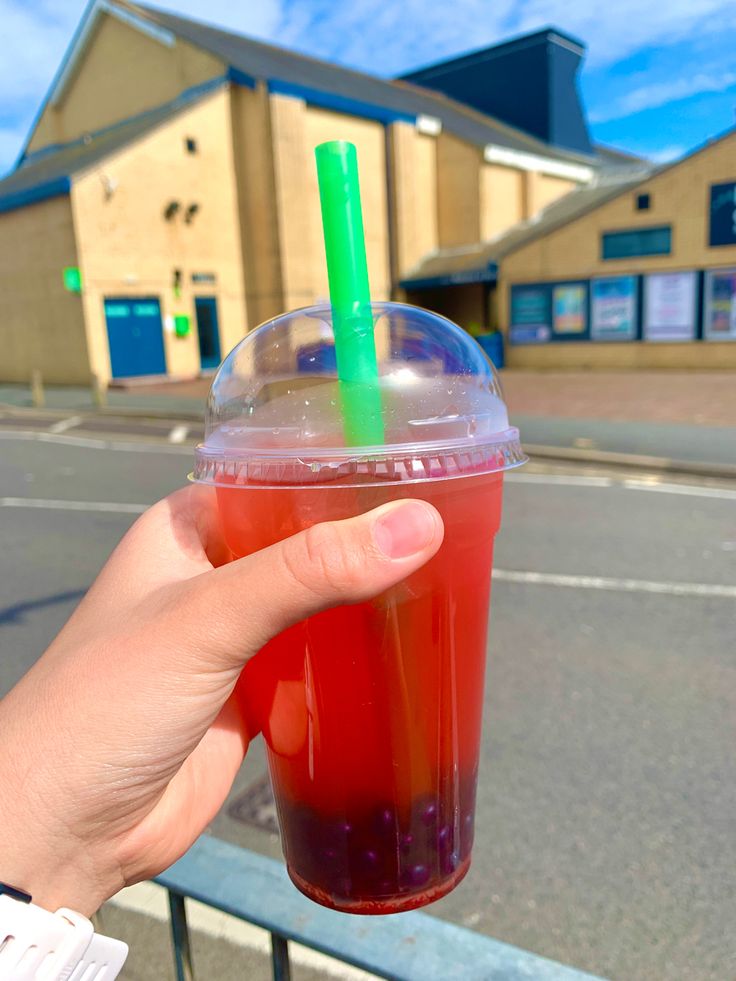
{"points": [[487, 273], [580, 173]]}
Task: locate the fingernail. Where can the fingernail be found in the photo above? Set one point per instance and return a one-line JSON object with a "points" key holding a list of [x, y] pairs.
{"points": [[405, 529]]}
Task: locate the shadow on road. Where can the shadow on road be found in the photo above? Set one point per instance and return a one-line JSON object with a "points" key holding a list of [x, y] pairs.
{"points": [[16, 612]]}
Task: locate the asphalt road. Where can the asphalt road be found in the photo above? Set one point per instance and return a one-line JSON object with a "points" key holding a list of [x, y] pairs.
{"points": [[606, 831]]}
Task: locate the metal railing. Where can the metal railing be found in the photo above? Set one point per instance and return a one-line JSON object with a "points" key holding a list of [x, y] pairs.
{"points": [[403, 947]]}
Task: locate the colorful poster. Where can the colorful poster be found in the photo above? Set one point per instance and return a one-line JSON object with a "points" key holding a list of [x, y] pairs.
{"points": [[720, 305], [613, 315], [569, 309], [529, 315], [669, 306]]}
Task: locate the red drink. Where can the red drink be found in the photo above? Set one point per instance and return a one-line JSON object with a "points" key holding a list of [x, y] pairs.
{"points": [[372, 712]]}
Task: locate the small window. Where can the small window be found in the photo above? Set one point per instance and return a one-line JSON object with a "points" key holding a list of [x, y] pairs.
{"points": [[643, 202], [636, 242], [191, 144]]}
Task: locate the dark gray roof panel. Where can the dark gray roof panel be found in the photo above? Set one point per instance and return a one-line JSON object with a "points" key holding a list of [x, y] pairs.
{"points": [[268, 62]]}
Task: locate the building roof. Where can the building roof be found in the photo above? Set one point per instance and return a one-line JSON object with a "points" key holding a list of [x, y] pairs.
{"points": [[48, 172], [469, 263], [283, 68]]}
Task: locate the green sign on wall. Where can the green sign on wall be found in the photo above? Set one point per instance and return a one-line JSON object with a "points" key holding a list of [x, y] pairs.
{"points": [[72, 279], [182, 325]]}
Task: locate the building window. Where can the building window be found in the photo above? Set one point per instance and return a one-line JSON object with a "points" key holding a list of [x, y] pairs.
{"points": [[643, 202], [636, 242], [191, 144]]}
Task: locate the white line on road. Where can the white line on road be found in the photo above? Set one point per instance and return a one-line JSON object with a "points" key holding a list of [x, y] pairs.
{"points": [[616, 585], [178, 434], [570, 480], [96, 444], [149, 899], [722, 493], [51, 505], [63, 424]]}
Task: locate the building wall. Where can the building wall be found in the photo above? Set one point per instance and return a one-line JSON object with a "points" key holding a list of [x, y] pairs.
{"points": [[679, 197], [296, 129], [253, 158], [502, 199], [414, 200], [127, 247], [458, 191], [42, 325], [542, 189], [122, 73]]}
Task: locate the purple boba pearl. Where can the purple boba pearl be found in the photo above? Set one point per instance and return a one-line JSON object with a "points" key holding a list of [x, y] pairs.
{"points": [[418, 875], [443, 835], [450, 862], [386, 819], [330, 854], [428, 814], [370, 858], [406, 841]]}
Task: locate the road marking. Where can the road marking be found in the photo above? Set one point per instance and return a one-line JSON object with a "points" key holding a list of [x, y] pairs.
{"points": [[90, 443], [51, 505], [149, 899], [722, 493], [616, 585], [570, 480], [178, 434], [63, 424]]}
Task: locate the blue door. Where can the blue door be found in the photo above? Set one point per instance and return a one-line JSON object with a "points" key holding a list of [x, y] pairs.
{"points": [[209, 332], [135, 335]]}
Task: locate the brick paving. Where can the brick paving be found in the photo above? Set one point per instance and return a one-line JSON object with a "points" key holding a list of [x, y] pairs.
{"points": [[695, 398]]}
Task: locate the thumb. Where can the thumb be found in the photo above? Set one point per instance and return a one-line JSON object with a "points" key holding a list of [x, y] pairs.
{"points": [[230, 613]]}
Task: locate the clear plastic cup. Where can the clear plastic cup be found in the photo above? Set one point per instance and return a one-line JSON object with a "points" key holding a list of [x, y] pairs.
{"points": [[371, 713]]}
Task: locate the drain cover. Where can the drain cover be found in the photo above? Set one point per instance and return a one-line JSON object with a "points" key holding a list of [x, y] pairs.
{"points": [[256, 806]]}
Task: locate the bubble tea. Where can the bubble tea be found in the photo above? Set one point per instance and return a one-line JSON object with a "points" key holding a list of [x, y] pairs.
{"points": [[371, 713]]}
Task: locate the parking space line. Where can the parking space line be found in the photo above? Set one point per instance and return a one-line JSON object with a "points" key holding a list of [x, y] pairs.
{"points": [[63, 424], [178, 434], [701, 589], [52, 505]]}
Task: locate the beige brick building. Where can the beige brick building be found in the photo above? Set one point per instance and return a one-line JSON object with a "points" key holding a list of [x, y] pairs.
{"points": [[166, 200]]}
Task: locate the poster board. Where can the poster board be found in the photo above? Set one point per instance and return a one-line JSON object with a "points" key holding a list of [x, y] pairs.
{"points": [[719, 323], [670, 306], [614, 308]]}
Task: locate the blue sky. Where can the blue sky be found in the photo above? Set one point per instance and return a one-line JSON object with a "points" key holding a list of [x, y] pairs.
{"points": [[659, 79]]}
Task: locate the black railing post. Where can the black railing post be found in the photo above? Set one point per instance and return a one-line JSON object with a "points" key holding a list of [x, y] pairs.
{"points": [[280, 958], [180, 938]]}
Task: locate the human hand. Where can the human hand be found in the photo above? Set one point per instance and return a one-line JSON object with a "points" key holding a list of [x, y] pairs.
{"points": [[120, 745]]}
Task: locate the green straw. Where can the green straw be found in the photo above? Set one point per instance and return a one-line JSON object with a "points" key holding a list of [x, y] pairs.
{"points": [[347, 271]]}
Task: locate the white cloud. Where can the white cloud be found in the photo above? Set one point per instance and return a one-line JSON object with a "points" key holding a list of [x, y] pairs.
{"points": [[666, 154], [617, 29], [660, 93]]}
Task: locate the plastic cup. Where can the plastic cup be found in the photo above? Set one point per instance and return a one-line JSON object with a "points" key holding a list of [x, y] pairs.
{"points": [[371, 713]]}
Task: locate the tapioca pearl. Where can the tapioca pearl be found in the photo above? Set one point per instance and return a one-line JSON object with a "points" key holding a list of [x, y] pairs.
{"points": [[428, 814], [450, 862], [417, 875], [369, 858], [406, 841], [386, 820], [444, 834]]}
